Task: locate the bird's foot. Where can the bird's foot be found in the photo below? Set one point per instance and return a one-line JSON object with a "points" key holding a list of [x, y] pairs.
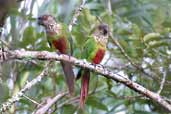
{"points": [[99, 66], [69, 56], [57, 52], [84, 62]]}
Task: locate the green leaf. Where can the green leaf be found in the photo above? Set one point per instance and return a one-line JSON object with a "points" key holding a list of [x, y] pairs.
{"points": [[151, 37], [142, 112], [14, 11], [94, 5], [26, 102], [87, 21], [111, 94], [24, 78], [68, 109], [155, 44], [29, 37], [96, 103]]}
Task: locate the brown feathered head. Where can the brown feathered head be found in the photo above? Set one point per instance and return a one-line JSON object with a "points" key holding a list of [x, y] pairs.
{"points": [[46, 20]]}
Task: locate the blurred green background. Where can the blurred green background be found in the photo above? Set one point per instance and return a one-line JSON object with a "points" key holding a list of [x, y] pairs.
{"points": [[143, 29]]}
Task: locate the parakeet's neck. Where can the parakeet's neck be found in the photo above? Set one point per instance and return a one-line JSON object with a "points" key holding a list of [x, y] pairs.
{"points": [[53, 28], [100, 39]]}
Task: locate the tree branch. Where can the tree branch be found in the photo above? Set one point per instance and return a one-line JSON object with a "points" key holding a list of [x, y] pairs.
{"points": [[28, 86], [76, 14], [45, 55], [162, 81], [44, 108], [109, 6]]}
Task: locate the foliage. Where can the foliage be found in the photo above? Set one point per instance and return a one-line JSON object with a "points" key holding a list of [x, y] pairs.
{"points": [[143, 29]]}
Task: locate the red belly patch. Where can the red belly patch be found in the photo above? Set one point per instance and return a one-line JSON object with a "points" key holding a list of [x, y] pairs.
{"points": [[61, 45], [99, 56]]}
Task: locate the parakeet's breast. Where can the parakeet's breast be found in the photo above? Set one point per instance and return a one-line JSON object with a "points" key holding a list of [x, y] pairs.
{"points": [[60, 44], [99, 56]]}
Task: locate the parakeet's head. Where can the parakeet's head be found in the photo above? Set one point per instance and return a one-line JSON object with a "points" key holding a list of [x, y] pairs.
{"points": [[103, 29], [101, 34], [46, 20], [50, 24]]}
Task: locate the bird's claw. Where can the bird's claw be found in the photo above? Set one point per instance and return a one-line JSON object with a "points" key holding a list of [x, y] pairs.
{"points": [[99, 66]]}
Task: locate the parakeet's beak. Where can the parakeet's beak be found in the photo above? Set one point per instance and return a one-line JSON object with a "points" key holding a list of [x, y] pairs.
{"points": [[39, 21]]}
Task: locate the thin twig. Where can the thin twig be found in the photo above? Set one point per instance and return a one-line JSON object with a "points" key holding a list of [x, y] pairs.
{"points": [[33, 101], [69, 101], [131, 97], [162, 82], [73, 22], [76, 14], [109, 7], [4, 43]]}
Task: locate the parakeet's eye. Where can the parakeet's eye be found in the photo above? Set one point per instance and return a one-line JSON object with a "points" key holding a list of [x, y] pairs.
{"points": [[42, 17], [105, 31], [39, 18]]}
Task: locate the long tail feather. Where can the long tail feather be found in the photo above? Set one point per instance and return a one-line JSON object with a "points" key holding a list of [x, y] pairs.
{"points": [[84, 87], [69, 76]]}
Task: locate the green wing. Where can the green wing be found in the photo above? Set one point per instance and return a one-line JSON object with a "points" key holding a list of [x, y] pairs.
{"points": [[64, 33], [89, 49]]}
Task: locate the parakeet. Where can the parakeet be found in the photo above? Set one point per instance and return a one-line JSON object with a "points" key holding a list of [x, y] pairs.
{"points": [[94, 51], [58, 39]]}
